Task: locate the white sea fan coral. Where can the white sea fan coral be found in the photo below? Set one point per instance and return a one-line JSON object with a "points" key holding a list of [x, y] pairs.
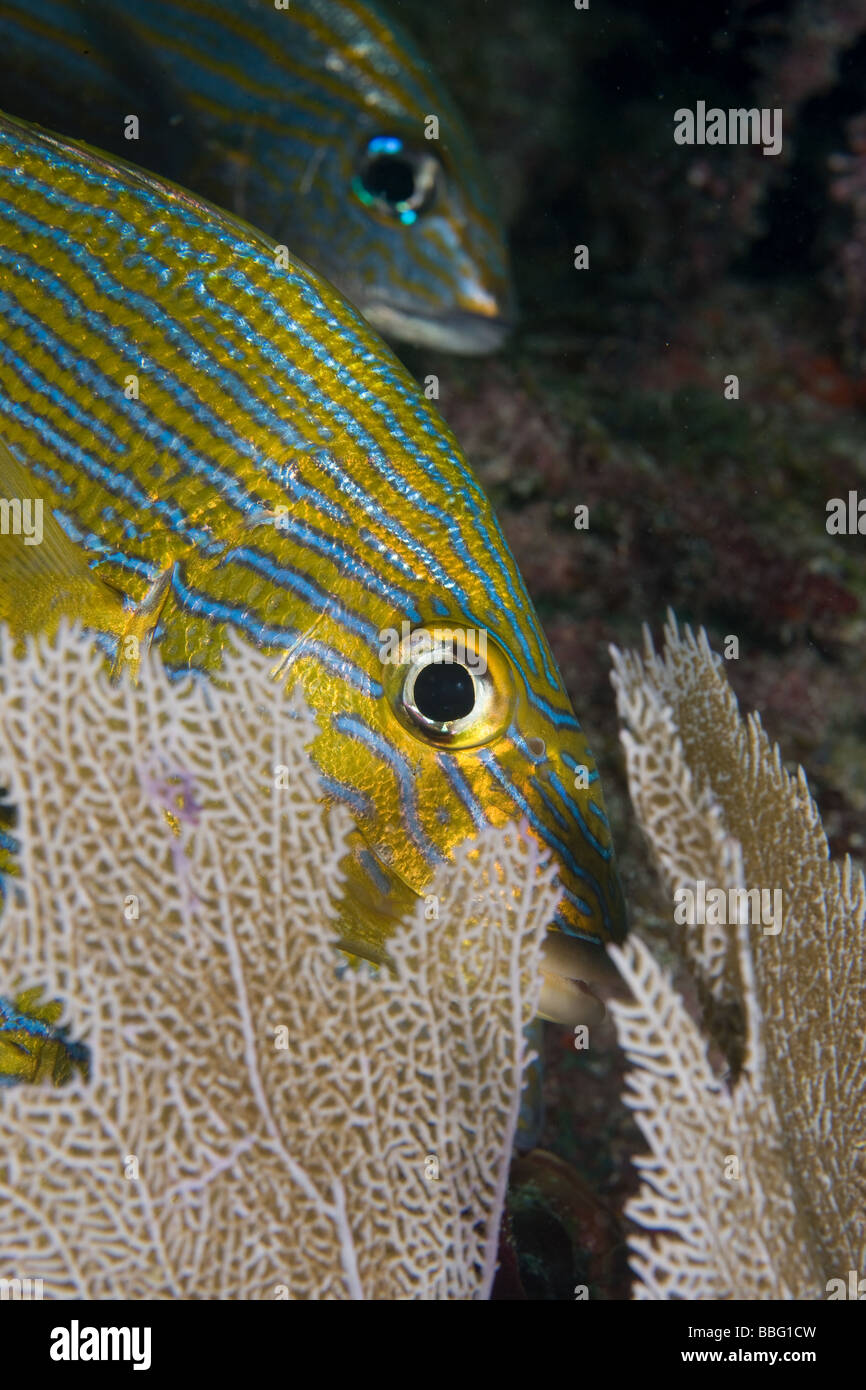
{"points": [[716, 1208], [260, 1121], [756, 1187]]}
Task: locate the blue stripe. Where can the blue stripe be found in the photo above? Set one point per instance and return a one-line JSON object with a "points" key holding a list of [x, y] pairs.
{"points": [[13, 1021], [361, 806], [604, 852], [377, 874], [94, 545], [551, 804], [113, 479], [143, 421], [562, 849], [212, 610], [229, 383], [298, 491], [572, 763], [40, 332], [206, 606], [309, 591], [568, 928], [523, 748], [347, 561], [153, 313], [373, 740], [448, 764]]}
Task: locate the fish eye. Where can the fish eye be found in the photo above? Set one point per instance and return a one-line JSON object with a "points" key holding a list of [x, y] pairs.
{"points": [[440, 693], [395, 179], [451, 686]]}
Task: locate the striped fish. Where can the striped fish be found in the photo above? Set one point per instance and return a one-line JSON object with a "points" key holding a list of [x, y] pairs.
{"points": [[33, 1046], [310, 121], [229, 442]]}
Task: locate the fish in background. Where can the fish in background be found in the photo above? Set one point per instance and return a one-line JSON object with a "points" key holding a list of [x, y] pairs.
{"points": [[309, 121], [232, 448]]}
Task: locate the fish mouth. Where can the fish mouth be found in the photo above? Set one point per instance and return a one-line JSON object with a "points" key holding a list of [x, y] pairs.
{"points": [[577, 976], [459, 331]]}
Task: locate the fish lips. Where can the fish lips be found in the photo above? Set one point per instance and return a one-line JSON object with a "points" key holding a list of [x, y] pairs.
{"points": [[458, 331], [577, 977]]}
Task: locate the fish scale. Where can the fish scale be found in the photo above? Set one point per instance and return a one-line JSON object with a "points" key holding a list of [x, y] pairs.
{"points": [[280, 473], [269, 113]]}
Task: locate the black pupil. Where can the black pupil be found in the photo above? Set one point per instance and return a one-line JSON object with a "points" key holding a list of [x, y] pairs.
{"points": [[389, 177], [444, 691]]}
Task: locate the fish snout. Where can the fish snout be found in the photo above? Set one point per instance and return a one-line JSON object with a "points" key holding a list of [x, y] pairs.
{"points": [[578, 977], [471, 331]]}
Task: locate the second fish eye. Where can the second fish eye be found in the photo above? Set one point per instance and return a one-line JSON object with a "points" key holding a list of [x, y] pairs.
{"points": [[396, 179]]}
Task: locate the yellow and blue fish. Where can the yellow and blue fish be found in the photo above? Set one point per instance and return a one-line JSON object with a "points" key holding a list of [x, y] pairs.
{"points": [[318, 122], [220, 441], [34, 1045]]}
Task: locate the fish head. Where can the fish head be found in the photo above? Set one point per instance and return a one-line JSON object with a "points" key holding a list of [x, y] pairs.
{"points": [[441, 277], [460, 738], [319, 121], [397, 204]]}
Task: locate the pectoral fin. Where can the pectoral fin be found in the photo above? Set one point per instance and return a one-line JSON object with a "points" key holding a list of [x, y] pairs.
{"points": [[44, 576]]}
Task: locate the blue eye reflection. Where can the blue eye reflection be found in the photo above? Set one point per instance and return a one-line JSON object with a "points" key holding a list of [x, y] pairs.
{"points": [[395, 179], [384, 144]]}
